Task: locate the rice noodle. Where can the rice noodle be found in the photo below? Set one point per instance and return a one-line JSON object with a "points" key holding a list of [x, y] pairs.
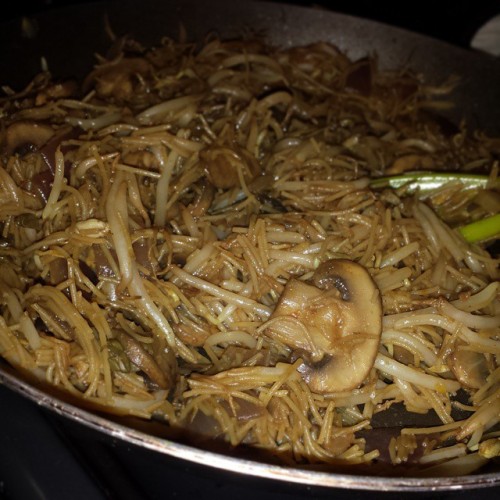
{"points": [[149, 245]]}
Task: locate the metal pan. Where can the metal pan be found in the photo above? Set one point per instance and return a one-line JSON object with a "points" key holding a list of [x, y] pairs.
{"points": [[68, 39]]}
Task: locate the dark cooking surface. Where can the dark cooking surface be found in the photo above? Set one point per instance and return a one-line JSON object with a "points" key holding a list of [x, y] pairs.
{"points": [[44, 456]]}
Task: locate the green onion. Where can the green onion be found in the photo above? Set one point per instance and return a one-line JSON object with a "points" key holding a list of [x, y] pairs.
{"points": [[482, 230], [426, 182]]}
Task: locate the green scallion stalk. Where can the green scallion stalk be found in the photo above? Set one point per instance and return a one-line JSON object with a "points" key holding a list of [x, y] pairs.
{"points": [[426, 182], [482, 230]]}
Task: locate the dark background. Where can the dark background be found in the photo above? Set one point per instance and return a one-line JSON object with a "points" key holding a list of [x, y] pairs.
{"points": [[44, 457], [452, 21]]}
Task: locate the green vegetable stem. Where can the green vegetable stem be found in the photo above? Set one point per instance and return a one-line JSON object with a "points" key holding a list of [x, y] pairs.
{"points": [[425, 183], [482, 230]]}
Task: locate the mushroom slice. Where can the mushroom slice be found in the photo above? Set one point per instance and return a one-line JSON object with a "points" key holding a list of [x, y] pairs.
{"points": [[469, 367], [221, 165], [117, 79], [302, 320], [335, 323], [25, 135], [162, 376]]}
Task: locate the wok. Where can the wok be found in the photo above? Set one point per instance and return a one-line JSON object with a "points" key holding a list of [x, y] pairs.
{"points": [[53, 38]]}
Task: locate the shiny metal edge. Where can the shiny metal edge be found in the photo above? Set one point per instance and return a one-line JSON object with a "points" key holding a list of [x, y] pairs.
{"points": [[291, 28], [240, 465]]}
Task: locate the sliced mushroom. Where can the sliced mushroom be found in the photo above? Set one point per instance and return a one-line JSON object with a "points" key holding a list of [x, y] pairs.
{"points": [[48, 150], [41, 183], [58, 271], [335, 323], [202, 201], [163, 378], [221, 166], [191, 331], [410, 162], [57, 90], [23, 136], [117, 79], [165, 359], [470, 368]]}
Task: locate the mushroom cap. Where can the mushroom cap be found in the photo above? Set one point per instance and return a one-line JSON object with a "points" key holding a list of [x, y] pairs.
{"points": [[221, 166], [469, 367], [160, 368], [338, 324], [26, 133]]}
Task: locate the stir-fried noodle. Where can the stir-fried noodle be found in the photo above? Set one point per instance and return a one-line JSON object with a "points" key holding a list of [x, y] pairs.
{"points": [[192, 236]]}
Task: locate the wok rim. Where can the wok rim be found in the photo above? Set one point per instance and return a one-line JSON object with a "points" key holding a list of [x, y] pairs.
{"points": [[15, 382], [241, 465]]}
